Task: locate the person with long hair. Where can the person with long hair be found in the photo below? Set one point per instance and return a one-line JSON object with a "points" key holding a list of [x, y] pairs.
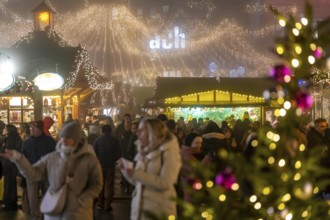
{"points": [[24, 131], [156, 170], [12, 142]]}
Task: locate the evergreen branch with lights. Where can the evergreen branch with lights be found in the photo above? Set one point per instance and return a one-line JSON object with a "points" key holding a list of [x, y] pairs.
{"points": [[277, 177]]}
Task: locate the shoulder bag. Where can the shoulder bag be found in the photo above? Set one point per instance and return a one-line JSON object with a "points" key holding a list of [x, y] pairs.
{"points": [[54, 202]]}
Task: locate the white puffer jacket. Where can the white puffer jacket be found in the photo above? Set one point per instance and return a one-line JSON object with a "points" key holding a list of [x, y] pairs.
{"points": [[154, 177]]}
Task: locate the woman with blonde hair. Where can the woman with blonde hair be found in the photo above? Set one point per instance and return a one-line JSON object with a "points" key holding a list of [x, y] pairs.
{"points": [[24, 131], [156, 170]]}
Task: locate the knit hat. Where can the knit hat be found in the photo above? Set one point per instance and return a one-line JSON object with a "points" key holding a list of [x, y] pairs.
{"points": [[38, 124], [72, 130], [190, 138]]}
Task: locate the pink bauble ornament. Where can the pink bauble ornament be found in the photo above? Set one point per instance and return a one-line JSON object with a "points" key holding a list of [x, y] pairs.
{"points": [[225, 179], [304, 100], [279, 72], [318, 53]]}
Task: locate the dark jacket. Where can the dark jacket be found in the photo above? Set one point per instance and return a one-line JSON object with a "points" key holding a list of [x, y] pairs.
{"points": [[36, 147], [12, 142], [314, 138], [107, 150]]}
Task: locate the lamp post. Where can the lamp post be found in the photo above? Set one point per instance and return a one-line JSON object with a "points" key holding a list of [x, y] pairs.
{"points": [[6, 72]]}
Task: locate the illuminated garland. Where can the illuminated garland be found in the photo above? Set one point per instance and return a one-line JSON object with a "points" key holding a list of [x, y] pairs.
{"points": [[257, 8], [320, 76], [125, 38], [93, 77]]}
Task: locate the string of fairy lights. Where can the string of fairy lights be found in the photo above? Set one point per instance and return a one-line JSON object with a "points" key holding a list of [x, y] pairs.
{"points": [[117, 40], [124, 38], [128, 36], [258, 8]]}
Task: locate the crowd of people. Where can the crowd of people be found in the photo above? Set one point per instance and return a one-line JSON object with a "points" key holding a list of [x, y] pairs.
{"points": [[154, 155]]}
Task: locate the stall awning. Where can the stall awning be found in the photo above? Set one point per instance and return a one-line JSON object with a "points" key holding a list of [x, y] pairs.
{"points": [[209, 92], [214, 98]]}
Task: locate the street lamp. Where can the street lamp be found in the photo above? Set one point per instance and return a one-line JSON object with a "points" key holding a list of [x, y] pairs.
{"points": [[49, 80], [7, 79]]}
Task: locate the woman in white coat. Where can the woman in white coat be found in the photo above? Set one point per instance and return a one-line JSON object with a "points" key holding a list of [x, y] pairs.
{"points": [[156, 170]]}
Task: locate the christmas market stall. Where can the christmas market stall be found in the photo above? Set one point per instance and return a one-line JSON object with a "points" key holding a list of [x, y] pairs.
{"points": [[216, 99], [111, 102], [47, 76]]}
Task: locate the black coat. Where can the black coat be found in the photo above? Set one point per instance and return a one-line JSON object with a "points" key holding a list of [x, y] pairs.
{"points": [[314, 139], [12, 142], [36, 147], [107, 150]]}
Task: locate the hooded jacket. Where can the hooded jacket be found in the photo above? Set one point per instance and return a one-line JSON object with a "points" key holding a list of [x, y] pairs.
{"points": [[48, 122], [154, 177], [85, 186]]}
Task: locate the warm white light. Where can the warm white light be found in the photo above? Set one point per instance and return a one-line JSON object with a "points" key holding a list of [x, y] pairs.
{"points": [[295, 32], [253, 198], [282, 22], [287, 105], [7, 81], [257, 205], [295, 62], [288, 216], [281, 163], [304, 21], [311, 59], [49, 81], [7, 67], [276, 137], [282, 112]]}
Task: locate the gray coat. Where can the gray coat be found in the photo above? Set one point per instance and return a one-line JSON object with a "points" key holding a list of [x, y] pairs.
{"points": [[154, 177], [82, 190]]}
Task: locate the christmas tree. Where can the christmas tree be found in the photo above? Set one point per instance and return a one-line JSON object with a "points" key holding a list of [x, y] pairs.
{"points": [[279, 178]]}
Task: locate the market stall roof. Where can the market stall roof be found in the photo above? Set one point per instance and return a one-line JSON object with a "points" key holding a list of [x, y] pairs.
{"points": [[177, 86], [209, 91], [44, 6], [46, 51]]}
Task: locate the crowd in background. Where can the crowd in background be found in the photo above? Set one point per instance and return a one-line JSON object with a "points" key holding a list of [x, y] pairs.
{"points": [[197, 140]]}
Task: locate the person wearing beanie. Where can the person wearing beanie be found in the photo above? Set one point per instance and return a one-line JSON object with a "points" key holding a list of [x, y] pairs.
{"points": [[35, 147], [72, 155], [48, 122]]}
